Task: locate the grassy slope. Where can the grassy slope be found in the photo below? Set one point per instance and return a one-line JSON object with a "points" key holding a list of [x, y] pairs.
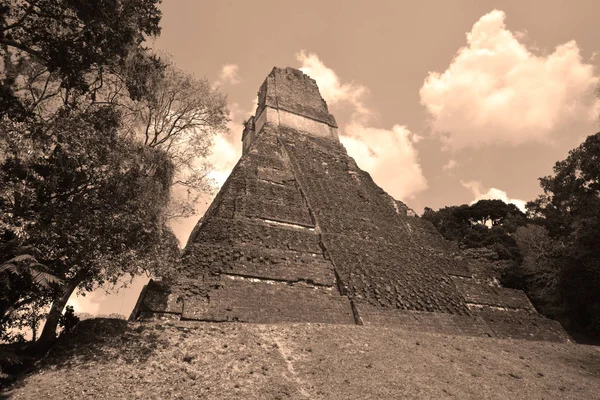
{"points": [[108, 359]]}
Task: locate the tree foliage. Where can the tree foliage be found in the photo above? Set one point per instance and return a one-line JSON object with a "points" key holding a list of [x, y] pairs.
{"points": [[486, 223], [555, 251], [182, 118], [570, 211], [179, 114], [90, 52], [66, 41], [97, 131], [540, 272], [89, 201], [81, 203]]}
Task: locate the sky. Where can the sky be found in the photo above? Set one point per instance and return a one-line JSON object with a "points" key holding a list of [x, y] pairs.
{"points": [[443, 103]]}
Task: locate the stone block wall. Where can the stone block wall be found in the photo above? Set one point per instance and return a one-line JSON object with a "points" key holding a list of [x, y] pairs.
{"points": [[290, 90], [256, 256], [376, 258]]}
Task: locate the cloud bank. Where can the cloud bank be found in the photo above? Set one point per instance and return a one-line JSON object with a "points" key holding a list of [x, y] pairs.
{"points": [[389, 155], [496, 91]]}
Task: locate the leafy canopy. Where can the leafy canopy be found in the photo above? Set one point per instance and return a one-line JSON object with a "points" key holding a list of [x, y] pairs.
{"points": [[72, 38]]}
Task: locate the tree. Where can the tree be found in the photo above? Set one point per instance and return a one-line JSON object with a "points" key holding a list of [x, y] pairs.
{"points": [[89, 52], [25, 285], [450, 221], [79, 203], [64, 42], [485, 223], [570, 210], [597, 93], [91, 202], [495, 212], [573, 191], [488, 224], [540, 272], [94, 130], [177, 113], [182, 118]]}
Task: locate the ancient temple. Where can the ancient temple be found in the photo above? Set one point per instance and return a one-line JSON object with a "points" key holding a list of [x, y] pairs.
{"points": [[299, 233]]}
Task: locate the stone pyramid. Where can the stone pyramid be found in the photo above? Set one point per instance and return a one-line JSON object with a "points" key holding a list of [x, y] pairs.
{"points": [[299, 233]]}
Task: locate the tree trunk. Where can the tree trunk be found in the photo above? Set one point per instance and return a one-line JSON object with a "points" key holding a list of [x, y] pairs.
{"points": [[34, 331], [48, 334]]}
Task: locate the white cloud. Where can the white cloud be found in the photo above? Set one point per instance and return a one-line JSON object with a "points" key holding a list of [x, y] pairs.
{"points": [[229, 75], [226, 149], [480, 194], [90, 303], [388, 155], [496, 90], [450, 165], [223, 158]]}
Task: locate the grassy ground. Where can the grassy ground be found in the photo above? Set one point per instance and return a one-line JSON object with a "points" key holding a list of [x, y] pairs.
{"points": [[108, 359]]}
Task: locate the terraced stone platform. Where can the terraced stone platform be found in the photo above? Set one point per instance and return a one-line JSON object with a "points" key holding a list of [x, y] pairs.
{"points": [[299, 233]]}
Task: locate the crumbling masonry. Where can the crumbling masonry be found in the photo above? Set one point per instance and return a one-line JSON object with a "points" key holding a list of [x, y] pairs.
{"points": [[299, 233]]}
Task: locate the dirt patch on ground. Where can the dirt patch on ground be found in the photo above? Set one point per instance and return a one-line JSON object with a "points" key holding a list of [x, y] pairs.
{"points": [[245, 361]]}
